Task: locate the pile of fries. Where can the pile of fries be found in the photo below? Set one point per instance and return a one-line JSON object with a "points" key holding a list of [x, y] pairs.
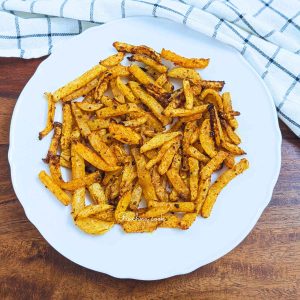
{"points": [[144, 152]]}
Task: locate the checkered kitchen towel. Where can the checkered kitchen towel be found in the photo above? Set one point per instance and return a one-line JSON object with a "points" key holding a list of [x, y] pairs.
{"points": [[265, 32]]}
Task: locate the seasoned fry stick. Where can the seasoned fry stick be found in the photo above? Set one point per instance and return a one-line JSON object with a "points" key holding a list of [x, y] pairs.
{"points": [[81, 123], [149, 62], [206, 139], [159, 140], [213, 165], [97, 193], [179, 60], [219, 184], [126, 91], [161, 153], [124, 134], [63, 197], [189, 97], [120, 110], [181, 112], [54, 141], [168, 158], [144, 176], [78, 82], [50, 116], [177, 183], [194, 177], [174, 206], [93, 158], [149, 101], [113, 60], [184, 73], [102, 149], [82, 91], [66, 127], [144, 50], [97, 124]]}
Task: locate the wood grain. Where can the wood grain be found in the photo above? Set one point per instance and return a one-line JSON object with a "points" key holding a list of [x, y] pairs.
{"points": [[266, 265]]}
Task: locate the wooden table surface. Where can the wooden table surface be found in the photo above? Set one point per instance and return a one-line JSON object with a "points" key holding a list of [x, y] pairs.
{"points": [[265, 265]]}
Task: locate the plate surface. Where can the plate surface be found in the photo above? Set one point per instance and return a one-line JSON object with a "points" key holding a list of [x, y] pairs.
{"points": [[166, 252]]}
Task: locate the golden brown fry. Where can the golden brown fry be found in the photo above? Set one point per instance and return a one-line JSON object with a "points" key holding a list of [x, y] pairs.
{"points": [[189, 97], [170, 221], [174, 206], [195, 153], [202, 193], [206, 138], [231, 133], [102, 149], [55, 141], [144, 176], [168, 158], [92, 225], [227, 107], [122, 206], [209, 84], [93, 209], [136, 197], [140, 75], [66, 128], [159, 140], [142, 49], [50, 116], [178, 184], [159, 155], [184, 73], [107, 215], [187, 220], [213, 165], [182, 112], [113, 60], [86, 89], [189, 128], [149, 101], [140, 226], [89, 107], [97, 124], [78, 82], [80, 121], [47, 181], [155, 212], [153, 122], [135, 122], [229, 161], [126, 91], [116, 92], [179, 60], [110, 74], [160, 185], [232, 148], [162, 80], [114, 111], [97, 193], [124, 134], [212, 96], [128, 176], [219, 184], [149, 62], [194, 177], [64, 163], [95, 160]]}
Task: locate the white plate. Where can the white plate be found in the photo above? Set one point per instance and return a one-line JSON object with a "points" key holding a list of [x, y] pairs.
{"points": [[166, 252]]}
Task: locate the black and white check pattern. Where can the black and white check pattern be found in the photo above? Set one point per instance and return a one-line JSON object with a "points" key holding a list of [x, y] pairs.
{"points": [[266, 32]]}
